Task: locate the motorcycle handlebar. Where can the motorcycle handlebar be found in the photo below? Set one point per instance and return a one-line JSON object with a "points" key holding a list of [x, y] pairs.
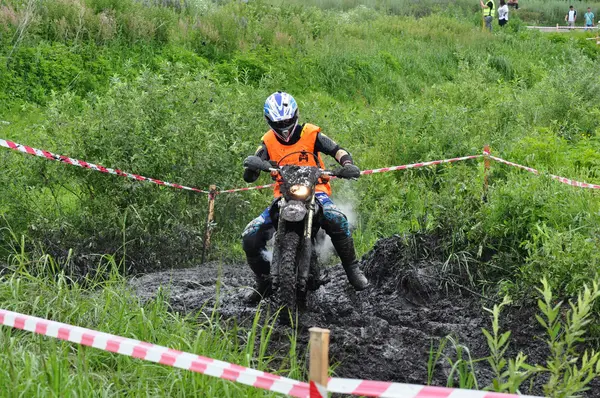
{"points": [[330, 173]]}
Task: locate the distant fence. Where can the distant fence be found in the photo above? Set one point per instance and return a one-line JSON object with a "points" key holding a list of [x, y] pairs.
{"points": [[213, 192], [561, 28]]}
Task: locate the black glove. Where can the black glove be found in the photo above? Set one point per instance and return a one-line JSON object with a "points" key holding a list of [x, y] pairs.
{"points": [[254, 163], [348, 171]]}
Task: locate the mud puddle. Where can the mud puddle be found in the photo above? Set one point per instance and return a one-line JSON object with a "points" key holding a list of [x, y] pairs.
{"points": [[382, 333]]}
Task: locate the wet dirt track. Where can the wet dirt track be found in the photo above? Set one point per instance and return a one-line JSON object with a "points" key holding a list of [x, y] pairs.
{"points": [[382, 333]]}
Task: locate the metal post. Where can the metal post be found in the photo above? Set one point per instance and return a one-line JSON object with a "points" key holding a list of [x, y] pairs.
{"points": [[319, 362], [486, 170], [209, 219]]}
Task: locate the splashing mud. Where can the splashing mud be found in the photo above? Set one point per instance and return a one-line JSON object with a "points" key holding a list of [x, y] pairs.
{"points": [[382, 333]]}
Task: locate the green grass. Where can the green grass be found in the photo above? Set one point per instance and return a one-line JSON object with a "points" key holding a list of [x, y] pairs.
{"points": [[185, 107], [176, 94], [32, 365]]}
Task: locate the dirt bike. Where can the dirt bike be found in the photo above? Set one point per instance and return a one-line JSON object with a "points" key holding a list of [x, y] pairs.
{"points": [[294, 266]]}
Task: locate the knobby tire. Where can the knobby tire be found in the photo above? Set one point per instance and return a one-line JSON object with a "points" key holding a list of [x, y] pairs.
{"points": [[288, 249]]}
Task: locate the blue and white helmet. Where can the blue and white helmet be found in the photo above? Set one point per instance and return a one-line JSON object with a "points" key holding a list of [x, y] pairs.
{"points": [[281, 112]]}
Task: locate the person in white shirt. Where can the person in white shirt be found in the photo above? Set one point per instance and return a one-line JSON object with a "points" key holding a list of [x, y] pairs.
{"points": [[571, 17], [503, 13]]}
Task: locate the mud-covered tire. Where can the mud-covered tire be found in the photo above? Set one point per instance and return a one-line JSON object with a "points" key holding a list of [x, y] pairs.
{"points": [[314, 274], [288, 247]]}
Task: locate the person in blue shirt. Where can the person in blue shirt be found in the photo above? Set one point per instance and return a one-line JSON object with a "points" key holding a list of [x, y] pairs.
{"points": [[589, 19]]}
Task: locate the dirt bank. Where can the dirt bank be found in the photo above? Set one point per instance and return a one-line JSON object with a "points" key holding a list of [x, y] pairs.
{"points": [[383, 333]]}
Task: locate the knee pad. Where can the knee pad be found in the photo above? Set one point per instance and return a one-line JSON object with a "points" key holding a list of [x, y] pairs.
{"points": [[253, 226], [256, 234], [335, 223]]}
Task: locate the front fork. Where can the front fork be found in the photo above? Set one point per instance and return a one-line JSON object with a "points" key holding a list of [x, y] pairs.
{"points": [[309, 220], [306, 251]]}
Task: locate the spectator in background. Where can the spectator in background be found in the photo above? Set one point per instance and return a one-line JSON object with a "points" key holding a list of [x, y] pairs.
{"points": [[513, 3], [588, 17], [571, 17], [489, 11], [503, 13]]}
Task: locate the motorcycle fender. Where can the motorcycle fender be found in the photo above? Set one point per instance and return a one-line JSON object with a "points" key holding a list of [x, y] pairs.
{"points": [[293, 211]]}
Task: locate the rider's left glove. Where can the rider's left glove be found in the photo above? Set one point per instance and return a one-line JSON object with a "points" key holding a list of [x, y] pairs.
{"points": [[348, 171], [254, 163]]}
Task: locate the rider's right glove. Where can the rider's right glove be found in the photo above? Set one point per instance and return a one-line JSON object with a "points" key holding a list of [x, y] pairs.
{"points": [[348, 171], [255, 163]]}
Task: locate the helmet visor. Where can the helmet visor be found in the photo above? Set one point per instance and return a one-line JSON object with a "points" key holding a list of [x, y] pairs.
{"points": [[283, 128]]}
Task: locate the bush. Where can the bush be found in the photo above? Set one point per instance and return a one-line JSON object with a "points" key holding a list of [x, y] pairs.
{"points": [[177, 95]]}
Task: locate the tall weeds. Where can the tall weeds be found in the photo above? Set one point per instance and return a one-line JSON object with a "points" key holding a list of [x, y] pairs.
{"points": [[32, 365], [569, 367], [27, 17], [176, 94]]}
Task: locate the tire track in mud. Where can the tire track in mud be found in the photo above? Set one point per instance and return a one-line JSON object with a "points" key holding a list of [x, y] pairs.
{"points": [[382, 333]]}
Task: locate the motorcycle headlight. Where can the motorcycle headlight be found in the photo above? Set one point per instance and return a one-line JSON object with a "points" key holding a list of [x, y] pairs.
{"points": [[300, 192]]}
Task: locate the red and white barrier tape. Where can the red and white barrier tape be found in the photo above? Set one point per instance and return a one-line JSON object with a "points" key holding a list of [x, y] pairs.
{"points": [[80, 163], [558, 178], [228, 371], [317, 390], [397, 390], [375, 171], [86, 165], [247, 188], [155, 353], [417, 165]]}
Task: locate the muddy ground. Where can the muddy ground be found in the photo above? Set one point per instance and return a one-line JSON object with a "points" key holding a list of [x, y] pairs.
{"points": [[383, 333]]}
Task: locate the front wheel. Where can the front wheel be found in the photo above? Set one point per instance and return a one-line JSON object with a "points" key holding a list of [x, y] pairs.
{"points": [[286, 247]]}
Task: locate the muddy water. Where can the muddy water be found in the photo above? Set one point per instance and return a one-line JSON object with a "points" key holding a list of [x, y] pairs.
{"points": [[382, 333]]}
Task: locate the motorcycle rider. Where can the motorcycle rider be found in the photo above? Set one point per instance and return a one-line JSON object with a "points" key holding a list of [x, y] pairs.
{"points": [[288, 136]]}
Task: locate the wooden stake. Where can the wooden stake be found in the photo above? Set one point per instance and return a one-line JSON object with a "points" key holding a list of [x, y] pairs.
{"points": [[319, 362], [486, 170], [209, 219]]}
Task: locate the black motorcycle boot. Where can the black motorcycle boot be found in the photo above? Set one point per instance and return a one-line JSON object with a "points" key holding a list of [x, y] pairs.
{"points": [[345, 249], [262, 288]]}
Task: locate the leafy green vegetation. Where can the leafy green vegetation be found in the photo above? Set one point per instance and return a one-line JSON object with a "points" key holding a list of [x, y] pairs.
{"points": [[32, 365], [569, 367], [174, 91], [184, 106]]}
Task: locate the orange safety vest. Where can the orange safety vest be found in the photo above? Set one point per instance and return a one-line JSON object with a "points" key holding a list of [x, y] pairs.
{"points": [[306, 143]]}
